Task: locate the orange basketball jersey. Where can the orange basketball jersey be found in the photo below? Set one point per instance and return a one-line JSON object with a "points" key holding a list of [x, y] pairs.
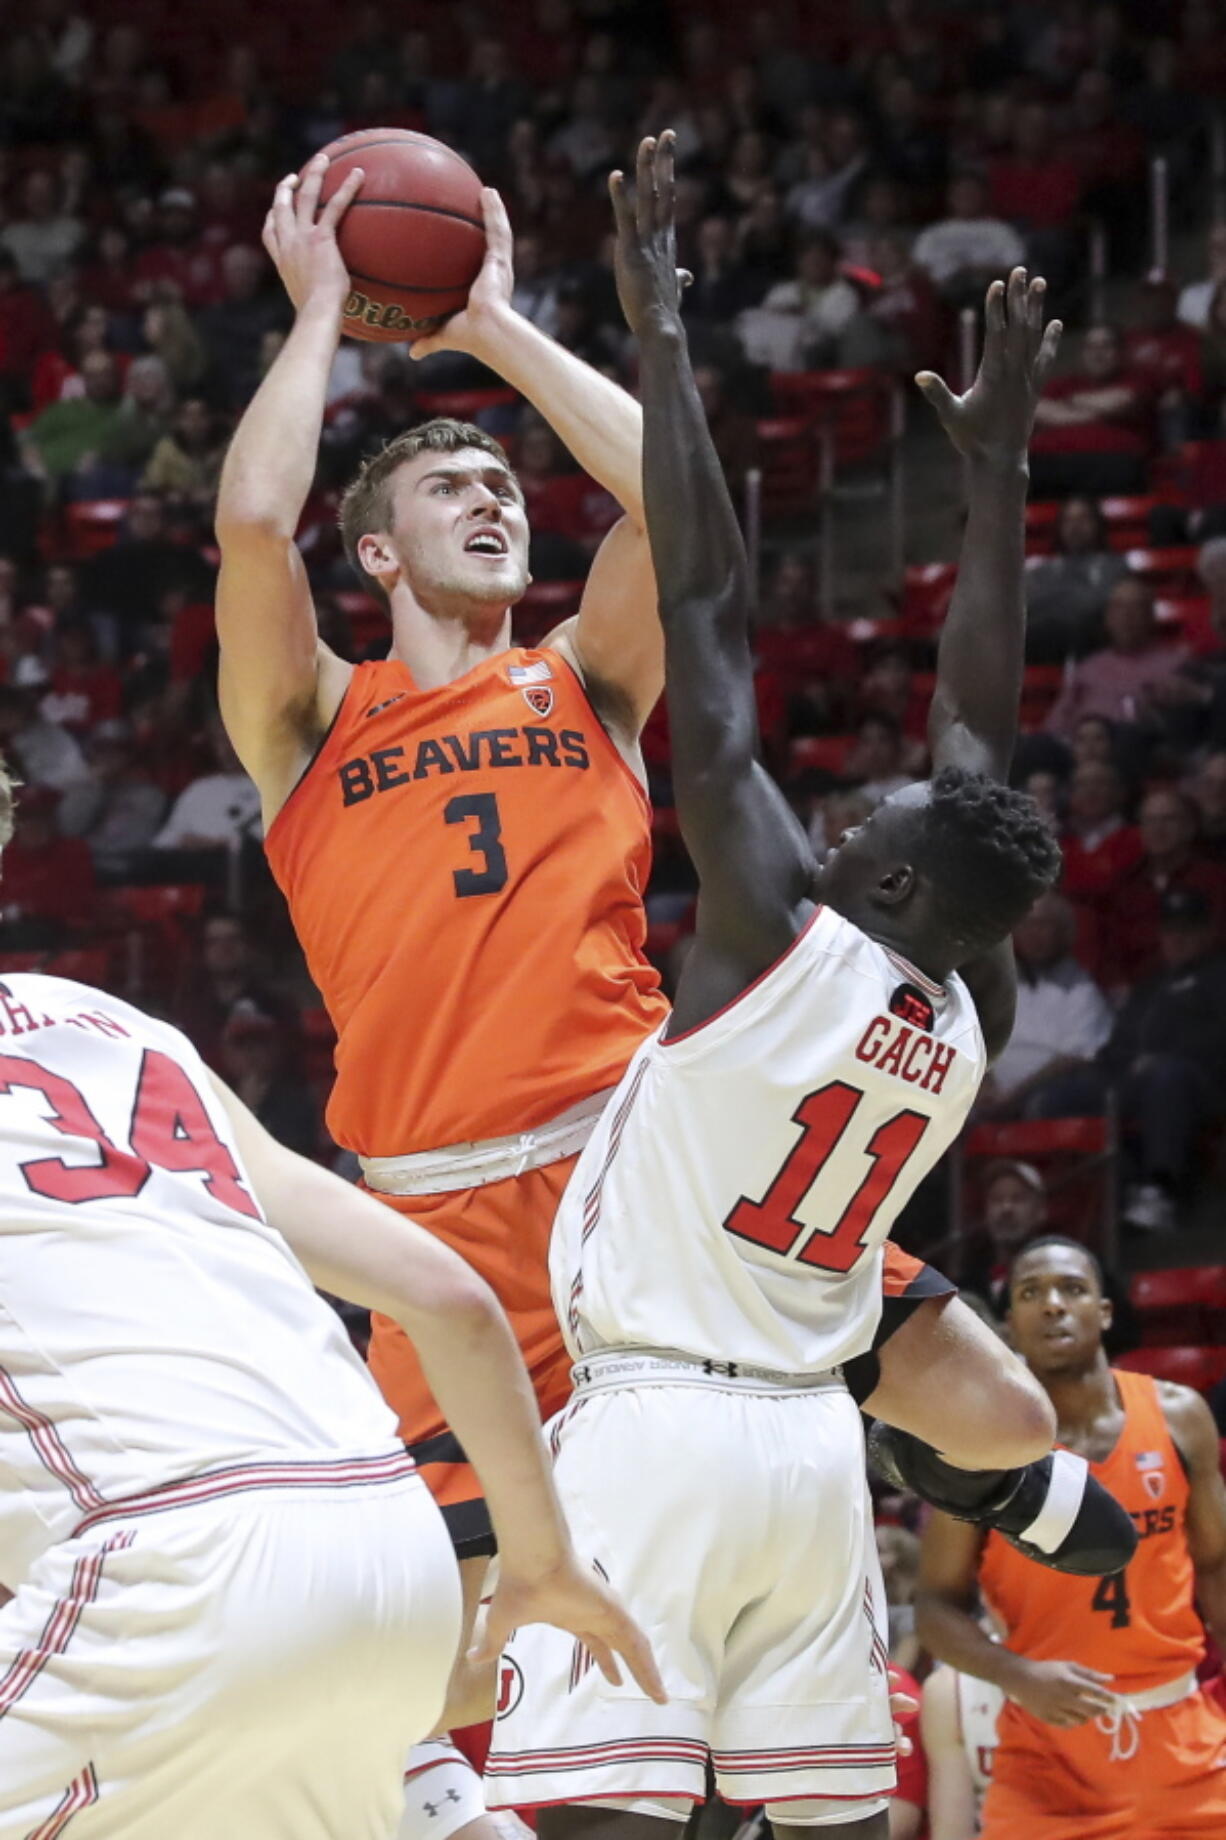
{"points": [[1141, 1626], [465, 869]]}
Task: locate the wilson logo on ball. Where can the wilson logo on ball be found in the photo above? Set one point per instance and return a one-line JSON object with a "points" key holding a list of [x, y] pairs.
{"points": [[386, 316]]}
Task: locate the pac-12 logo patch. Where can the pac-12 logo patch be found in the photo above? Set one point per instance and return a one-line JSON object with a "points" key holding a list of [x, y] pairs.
{"points": [[913, 1006], [510, 1687], [539, 699]]}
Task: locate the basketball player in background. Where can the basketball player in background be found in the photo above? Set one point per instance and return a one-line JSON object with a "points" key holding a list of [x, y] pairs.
{"points": [[1106, 1734], [717, 1256], [957, 1729], [463, 837], [233, 1600]]}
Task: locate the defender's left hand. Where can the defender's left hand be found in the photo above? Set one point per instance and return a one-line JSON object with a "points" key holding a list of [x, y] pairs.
{"points": [[490, 295], [992, 421], [575, 1599], [646, 260]]}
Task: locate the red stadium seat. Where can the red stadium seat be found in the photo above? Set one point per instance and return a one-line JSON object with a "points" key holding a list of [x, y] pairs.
{"points": [[854, 405], [1042, 516], [1201, 1368], [92, 525], [1040, 688], [544, 606], [369, 621], [828, 753], [926, 591], [11, 963], [1173, 568], [1185, 1304], [787, 456], [465, 405], [1127, 519], [83, 965], [1029, 1138], [161, 904]]}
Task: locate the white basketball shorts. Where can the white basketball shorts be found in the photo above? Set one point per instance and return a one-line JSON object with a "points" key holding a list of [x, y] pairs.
{"points": [[735, 1523], [249, 1664]]}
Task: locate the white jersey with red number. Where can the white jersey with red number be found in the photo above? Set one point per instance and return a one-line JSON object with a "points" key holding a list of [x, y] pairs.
{"points": [[734, 1197], [152, 1324]]}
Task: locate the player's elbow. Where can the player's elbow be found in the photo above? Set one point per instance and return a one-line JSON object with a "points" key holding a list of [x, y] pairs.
{"points": [[244, 522]]}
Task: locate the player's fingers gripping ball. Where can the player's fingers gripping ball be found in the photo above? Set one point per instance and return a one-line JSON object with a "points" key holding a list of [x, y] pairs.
{"points": [[413, 239]]}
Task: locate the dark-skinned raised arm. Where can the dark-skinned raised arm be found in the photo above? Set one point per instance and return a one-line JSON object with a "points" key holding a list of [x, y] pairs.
{"points": [[753, 859], [973, 720]]}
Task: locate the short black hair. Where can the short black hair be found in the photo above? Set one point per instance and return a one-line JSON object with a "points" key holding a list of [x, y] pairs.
{"points": [[988, 854], [1057, 1239]]}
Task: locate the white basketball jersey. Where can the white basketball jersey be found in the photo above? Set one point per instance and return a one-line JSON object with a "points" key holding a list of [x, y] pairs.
{"points": [[978, 1705], [152, 1324], [733, 1200]]}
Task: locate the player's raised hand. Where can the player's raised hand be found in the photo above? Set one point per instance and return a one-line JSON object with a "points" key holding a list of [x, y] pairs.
{"points": [[490, 294], [301, 239], [648, 281], [571, 1598], [993, 419]]}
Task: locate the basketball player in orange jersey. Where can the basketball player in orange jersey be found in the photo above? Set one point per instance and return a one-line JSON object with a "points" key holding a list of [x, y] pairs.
{"points": [[1105, 1734], [463, 836]]}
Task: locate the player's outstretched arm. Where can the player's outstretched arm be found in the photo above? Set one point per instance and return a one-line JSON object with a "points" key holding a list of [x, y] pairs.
{"points": [[270, 653], [614, 642], [358, 1249], [973, 720], [753, 860]]}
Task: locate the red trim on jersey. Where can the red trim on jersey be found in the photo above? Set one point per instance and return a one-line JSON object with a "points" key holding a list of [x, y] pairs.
{"points": [[867, 1795], [61, 1625], [671, 1041], [347, 1472], [82, 1792], [913, 975], [672, 1795], [50, 1447]]}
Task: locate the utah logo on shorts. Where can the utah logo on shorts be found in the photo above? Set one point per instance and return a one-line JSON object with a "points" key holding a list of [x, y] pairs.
{"points": [[1153, 1474], [510, 1687], [539, 699]]}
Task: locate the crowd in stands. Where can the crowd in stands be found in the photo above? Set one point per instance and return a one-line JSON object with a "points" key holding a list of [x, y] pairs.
{"points": [[846, 185]]}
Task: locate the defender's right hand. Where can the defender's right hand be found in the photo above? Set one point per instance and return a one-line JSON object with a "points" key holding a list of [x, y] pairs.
{"points": [[301, 239], [1060, 1693]]}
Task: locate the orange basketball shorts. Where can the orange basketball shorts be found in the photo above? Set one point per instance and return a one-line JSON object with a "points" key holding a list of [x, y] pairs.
{"points": [[1049, 1784], [502, 1231]]}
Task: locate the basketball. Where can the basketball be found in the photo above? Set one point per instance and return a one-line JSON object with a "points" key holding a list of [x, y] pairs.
{"points": [[413, 239]]}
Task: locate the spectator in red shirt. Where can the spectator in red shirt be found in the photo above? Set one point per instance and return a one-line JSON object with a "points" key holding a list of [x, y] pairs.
{"points": [[83, 691], [1171, 860], [905, 308], [1100, 848], [1093, 430], [1038, 190], [561, 500], [48, 879]]}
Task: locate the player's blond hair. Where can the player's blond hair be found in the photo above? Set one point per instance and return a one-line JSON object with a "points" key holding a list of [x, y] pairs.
{"points": [[367, 503]]}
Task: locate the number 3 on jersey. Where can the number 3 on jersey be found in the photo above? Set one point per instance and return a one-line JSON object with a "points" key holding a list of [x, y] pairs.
{"points": [[485, 842], [170, 1130], [825, 1118]]}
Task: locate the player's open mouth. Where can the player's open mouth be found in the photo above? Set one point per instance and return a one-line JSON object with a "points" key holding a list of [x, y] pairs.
{"points": [[488, 542]]}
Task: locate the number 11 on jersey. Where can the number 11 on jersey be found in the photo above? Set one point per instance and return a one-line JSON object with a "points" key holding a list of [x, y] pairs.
{"points": [[825, 1118]]}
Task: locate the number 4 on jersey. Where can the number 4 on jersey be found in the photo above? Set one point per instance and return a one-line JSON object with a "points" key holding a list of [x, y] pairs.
{"points": [[825, 1118], [170, 1130]]}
